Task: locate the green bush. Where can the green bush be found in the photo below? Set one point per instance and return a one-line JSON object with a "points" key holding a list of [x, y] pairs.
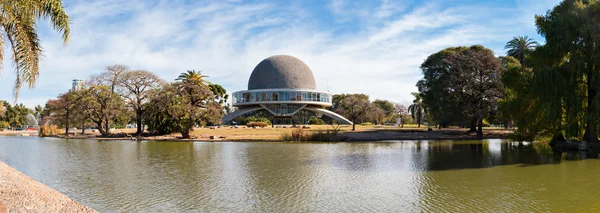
{"points": [[257, 124], [4, 124], [367, 124], [257, 119], [315, 121]]}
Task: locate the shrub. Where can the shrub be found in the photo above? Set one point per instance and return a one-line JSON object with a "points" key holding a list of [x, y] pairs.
{"points": [[299, 134], [315, 121], [257, 119], [257, 124], [48, 130], [3, 125], [367, 124]]}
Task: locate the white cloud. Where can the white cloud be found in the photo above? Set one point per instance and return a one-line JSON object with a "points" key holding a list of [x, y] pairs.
{"points": [[373, 49]]}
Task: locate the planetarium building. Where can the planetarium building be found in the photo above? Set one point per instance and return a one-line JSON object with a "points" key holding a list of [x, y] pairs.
{"points": [[283, 88]]}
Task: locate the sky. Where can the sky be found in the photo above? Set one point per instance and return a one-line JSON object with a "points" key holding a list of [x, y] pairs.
{"points": [[372, 46]]}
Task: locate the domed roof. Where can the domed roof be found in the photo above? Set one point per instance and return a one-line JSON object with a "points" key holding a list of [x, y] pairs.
{"points": [[282, 71]]}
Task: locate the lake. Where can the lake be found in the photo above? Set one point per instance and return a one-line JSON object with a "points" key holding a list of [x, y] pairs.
{"points": [[409, 176]]}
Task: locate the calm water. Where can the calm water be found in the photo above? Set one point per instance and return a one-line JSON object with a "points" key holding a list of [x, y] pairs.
{"points": [[440, 176]]}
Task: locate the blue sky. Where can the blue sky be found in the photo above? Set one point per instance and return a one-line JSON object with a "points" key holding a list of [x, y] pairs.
{"points": [[372, 46]]}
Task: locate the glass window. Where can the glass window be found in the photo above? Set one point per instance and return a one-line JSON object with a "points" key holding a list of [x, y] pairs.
{"points": [[275, 96], [298, 96], [246, 98], [252, 96], [263, 96]]}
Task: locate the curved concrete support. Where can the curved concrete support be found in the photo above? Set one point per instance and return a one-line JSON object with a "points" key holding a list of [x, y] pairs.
{"points": [[333, 115], [229, 117]]}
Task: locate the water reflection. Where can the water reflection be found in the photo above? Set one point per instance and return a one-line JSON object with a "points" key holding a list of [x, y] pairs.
{"points": [[317, 177]]}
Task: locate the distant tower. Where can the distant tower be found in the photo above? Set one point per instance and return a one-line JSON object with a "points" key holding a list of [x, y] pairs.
{"points": [[77, 85]]}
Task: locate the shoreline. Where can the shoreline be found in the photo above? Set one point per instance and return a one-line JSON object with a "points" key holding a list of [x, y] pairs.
{"points": [[21, 193], [260, 135]]}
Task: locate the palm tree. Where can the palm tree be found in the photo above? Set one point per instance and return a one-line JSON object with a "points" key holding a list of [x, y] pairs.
{"points": [[19, 25], [194, 77], [416, 109], [520, 46]]}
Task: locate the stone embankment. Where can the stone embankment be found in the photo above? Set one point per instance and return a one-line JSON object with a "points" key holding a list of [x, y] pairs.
{"points": [[20, 193]]}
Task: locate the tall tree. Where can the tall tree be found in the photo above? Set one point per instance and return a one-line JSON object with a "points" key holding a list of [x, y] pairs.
{"points": [[64, 108], [417, 108], [19, 22], [519, 47], [354, 107], [193, 76], [135, 88], [101, 106], [571, 32], [182, 105], [461, 83], [389, 111], [109, 80]]}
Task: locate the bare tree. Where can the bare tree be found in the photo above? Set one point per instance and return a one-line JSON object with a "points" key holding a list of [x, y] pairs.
{"points": [[111, 79], [135, 87]]}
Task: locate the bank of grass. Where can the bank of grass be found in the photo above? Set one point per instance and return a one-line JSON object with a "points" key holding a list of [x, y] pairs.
{"points": [[316, 132]]}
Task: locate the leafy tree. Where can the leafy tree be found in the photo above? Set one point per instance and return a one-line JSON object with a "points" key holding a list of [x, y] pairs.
{"points": [[461, 83], [572, 55], [135, 87], [219, 92], [101, 106], [64, 108], [193, 76], [19, 21], [315, 121], [520, 47], [354, 107], [389, 111], [417, 109], [187, 104]]}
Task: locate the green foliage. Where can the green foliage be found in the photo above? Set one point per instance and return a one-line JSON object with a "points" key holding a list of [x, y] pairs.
{"points": [[257, 124], [182, 105], [417, 109], [557, 92], [353, 106], [520, 47], [19, 25], [15, 116], [4, 125], [315, 121], [257, 119], [367, 124], [460, 85]]}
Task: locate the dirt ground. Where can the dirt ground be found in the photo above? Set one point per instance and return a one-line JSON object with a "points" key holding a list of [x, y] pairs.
{"points": [[20, 193]]}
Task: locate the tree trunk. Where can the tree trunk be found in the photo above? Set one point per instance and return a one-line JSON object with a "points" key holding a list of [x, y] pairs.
{"points": [[353, 124], [138, 122], [419, 121], [591, 135], [473, 127], [67, 124], [480, 129], [101, 129]]}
